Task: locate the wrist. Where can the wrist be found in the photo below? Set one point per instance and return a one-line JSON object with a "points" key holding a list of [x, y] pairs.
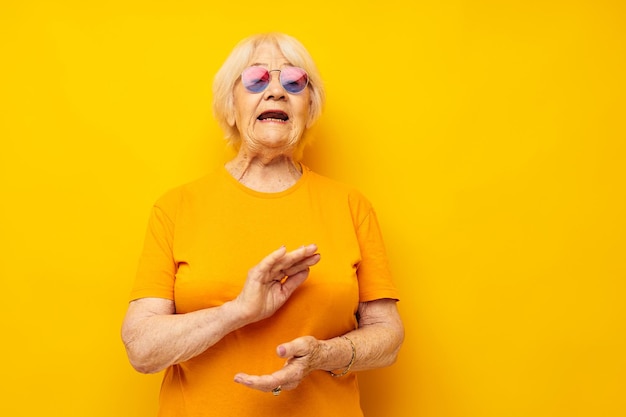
{"points": [[336, 373], [236, 316]]}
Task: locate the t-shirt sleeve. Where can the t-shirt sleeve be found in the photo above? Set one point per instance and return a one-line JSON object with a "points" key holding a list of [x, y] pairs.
{"points": [[373, 271], [157, 268]]}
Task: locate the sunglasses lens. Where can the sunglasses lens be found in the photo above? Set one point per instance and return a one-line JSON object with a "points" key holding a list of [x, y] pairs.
{"points": [[293, 79], [255, 79]]}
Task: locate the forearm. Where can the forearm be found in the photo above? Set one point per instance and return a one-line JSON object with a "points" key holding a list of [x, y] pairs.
{"points": [[374, 346], [376, 342], [155, 341], [156, 337]]}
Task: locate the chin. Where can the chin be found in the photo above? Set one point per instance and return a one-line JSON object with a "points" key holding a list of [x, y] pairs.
{"points": [[274, 140]]}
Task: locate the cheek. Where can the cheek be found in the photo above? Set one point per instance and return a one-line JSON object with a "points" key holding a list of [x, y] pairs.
{"points": [[244, 111], [244, 104], [304, 113], [304, 108]]}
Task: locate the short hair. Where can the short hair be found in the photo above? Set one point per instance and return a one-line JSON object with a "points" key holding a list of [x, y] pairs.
{"points": [[228, 75]]}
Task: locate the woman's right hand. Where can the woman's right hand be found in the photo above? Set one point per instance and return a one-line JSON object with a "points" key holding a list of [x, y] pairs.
{"points": [[156, 337], [271, 282]]}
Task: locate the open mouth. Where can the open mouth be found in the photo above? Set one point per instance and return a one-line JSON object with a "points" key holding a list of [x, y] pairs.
{"points": [[273, 116]]}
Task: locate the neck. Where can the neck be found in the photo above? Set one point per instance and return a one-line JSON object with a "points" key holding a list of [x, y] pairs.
{"points": [[263, 173]]}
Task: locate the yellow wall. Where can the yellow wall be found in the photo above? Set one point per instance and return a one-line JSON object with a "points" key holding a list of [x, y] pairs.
{"points": [[490, 135]]}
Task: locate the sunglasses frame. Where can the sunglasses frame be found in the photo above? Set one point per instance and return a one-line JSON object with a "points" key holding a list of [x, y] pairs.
{"points": [[280, 78]]}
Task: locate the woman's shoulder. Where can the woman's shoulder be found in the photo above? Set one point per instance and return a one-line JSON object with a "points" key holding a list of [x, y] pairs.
{"points": [[189, 191], [333, 187], [323, 181]]}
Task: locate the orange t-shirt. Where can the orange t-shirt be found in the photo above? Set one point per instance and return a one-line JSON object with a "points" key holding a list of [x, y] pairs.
{"points": [[201, 241]]}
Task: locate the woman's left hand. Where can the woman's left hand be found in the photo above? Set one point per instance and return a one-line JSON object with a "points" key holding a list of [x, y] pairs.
{"points": [[302, 355], [377, 340]]}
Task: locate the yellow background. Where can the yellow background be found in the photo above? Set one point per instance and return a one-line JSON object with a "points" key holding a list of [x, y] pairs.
{"points": [[490, 135]]}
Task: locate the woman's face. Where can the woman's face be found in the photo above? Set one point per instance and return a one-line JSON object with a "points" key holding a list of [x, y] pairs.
{"points": [[272, 119]]}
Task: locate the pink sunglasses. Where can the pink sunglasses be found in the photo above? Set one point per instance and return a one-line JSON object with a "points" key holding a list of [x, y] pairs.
{"points": [[256, 79]]}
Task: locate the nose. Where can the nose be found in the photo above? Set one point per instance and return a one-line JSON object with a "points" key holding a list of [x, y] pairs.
{"points": [[274, 90]]}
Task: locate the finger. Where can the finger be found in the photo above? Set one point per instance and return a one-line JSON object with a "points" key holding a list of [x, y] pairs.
{"points": [[267, 264], [265, 383], [292, 258], [304, 264], [285, 378], [292, 282], [301, 346]]}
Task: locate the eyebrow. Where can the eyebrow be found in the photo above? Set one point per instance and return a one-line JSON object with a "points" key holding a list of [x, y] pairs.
{"points": [[263, 64]]}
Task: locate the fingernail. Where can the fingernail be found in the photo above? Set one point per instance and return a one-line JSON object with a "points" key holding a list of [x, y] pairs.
{"points": [[281, 351]]}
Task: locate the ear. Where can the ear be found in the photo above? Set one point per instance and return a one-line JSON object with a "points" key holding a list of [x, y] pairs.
{"points": [[309, 121], [231, 112]]}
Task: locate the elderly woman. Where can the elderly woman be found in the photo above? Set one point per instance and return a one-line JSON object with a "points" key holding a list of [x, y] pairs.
{"points": [[263, 277]]}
